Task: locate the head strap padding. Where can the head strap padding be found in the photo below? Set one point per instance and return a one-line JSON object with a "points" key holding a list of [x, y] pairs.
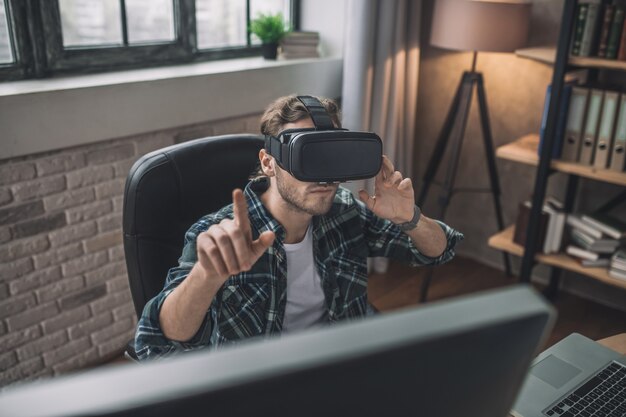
{"points": [[321, 119]]}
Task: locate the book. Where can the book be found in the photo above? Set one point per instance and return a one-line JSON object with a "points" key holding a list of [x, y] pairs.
{"points": [[300, 45], [575, 221], [576, 112], [557, 144], [583, 240], [579, 29], [556, 224], [592, 122], [588, 41], [617, 274], [617, 159], [610, 225], [618, 260], [616, 31], [607, 21], [521, 226], [581, 253], [301, 37], [621, 52], [606, 129], [600, 262]]}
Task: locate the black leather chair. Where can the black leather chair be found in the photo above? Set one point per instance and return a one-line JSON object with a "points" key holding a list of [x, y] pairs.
{"points": [[166, 192]]}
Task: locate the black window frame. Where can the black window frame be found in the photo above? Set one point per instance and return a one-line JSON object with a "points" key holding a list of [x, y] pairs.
{"points": [[36, 33]]}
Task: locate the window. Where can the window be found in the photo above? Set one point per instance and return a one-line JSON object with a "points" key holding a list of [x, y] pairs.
{"points": [[45, 37]]}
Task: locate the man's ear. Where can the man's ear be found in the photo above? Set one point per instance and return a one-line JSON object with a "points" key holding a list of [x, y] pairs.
{"points": [[267, 163]]}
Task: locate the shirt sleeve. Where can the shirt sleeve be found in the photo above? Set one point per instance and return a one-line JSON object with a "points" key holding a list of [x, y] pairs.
{"points": [[385, 239], [150, 342]]}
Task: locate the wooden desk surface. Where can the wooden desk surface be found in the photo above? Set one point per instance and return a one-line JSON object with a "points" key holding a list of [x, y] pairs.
{"points": [[617, 343]]}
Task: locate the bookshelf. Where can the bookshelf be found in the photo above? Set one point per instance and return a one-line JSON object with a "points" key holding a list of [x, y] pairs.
{"points": [[547, 55], [525, 150], [504, 241]]}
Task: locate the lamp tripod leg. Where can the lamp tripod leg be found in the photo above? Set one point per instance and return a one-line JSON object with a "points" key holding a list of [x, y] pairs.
{"points": [[455, 129], [440, 147], [491, 164]]}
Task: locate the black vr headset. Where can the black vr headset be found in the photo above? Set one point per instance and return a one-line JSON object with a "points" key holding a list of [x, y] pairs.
{"points": [[325, 153]]}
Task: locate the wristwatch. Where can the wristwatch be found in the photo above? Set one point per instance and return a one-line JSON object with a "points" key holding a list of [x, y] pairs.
{"points": [[411, 224]]}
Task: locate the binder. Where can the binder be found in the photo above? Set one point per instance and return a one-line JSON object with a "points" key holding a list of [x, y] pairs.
{"points": [[575, 118], [619, 142], [592, 122], [607, 127]]}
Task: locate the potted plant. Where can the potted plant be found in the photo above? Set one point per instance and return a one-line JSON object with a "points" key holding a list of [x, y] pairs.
{"points": [[270, 29]]}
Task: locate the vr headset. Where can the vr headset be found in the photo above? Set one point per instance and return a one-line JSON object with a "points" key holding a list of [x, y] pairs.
{"points": [[325, 154]]}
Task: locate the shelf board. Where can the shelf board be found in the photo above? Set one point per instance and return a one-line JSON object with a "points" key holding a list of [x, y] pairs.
{"points": [[504, 241], [524, 150], [547, 55]]}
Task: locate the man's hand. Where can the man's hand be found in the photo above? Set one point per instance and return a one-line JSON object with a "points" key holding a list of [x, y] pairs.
{"points": [[227, 248], [393, 197]]}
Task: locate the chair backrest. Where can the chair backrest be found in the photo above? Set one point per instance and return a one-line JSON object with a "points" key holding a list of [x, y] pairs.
{"points": [[170, 189]]}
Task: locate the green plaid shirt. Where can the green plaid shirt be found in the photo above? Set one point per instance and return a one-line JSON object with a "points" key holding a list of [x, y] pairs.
{"points": [[252, 303]]}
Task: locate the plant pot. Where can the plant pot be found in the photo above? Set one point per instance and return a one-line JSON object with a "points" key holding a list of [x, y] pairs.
{"points": [[269, 50]]}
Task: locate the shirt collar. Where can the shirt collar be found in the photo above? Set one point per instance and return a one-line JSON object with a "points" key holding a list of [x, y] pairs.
{"points": [[260, 217]]}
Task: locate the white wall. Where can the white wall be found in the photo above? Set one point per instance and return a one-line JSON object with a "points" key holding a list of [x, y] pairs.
{"points": [[328, 18]]}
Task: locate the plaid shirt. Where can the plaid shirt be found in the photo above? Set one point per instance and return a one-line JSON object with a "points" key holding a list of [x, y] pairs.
{"points": [[252, 303]]}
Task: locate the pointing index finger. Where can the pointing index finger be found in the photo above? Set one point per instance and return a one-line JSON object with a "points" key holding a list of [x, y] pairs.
{"points": [[240, 212]]}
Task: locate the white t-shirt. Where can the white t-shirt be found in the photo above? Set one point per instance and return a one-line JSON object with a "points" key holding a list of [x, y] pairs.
{"points": [[305, 296]]}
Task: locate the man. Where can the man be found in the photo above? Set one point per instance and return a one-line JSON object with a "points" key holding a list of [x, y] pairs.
{"points": [[286, 255]]}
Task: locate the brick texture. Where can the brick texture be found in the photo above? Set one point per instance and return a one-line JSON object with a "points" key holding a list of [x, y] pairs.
{"points": [[39, 225], [65, 302], [16, 173], [22, 248], [60, 163], [70, 198], [16, 213], [38, 188], [36, 279]]}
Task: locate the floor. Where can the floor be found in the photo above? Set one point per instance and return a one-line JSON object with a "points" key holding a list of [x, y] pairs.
{"points": [[400, 287]]}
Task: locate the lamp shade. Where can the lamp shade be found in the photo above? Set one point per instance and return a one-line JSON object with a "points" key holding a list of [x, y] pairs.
{"points": [[480, 25]]}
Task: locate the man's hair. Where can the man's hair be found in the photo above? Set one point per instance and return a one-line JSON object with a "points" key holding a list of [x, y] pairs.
{"points": [[289, 109]]}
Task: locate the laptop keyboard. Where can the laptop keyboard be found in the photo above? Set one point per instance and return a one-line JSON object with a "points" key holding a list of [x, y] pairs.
{"points": [[604, 395]]}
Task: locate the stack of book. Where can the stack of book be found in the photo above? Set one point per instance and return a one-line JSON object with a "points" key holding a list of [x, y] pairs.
{"points": [[591, 127], [596, 238], [300, 45], [599, 30], [618, 265]]}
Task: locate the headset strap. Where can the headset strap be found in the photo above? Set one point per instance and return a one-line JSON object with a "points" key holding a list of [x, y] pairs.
{"points": [[316, 110]]}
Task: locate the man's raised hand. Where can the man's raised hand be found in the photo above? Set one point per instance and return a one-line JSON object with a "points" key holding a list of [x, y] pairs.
{"points": [[227, 248], [393, 196]]}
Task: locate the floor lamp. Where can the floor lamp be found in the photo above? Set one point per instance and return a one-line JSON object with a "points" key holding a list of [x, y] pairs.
{"points": [[476, 26]]}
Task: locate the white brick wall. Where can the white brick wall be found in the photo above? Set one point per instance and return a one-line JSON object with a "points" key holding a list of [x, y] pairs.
{"points": [[65, 303]]}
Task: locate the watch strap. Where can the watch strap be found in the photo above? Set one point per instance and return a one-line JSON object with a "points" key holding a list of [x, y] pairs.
{"points": [[411, 224]]}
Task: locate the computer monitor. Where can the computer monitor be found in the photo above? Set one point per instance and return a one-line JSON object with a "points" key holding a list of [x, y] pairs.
{"points": [[466, 357]]}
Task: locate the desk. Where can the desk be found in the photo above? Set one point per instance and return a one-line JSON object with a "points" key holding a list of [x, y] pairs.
{"points": [[617, 343]]}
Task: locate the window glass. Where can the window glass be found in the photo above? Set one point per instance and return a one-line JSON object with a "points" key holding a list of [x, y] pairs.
{"points": [[6, 52], [150, 21], [221, 23], [268, 7], [91, 22]]}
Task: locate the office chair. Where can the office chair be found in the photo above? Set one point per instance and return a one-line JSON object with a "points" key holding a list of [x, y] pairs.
{"points": [[166, 192]]}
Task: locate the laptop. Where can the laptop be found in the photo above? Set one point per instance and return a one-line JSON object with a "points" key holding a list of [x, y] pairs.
{"points": [[575, 377]]}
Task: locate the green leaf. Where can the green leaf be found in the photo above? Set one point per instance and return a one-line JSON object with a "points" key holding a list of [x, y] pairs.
{"points": [[269, 28]]}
